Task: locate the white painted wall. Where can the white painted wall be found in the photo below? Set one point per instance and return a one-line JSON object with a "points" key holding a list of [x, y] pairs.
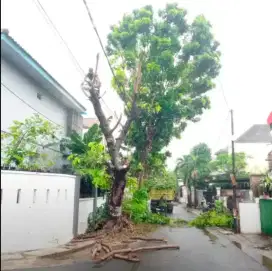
{"points": [[40, 219], [12, 108], [85, 208], [257, 153], [250, 221]]}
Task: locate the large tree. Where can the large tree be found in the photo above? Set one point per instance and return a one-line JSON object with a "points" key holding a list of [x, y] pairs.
{"points": [[163, 66], [179, 60]]}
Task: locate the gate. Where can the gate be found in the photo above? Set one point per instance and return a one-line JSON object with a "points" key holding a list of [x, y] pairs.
{"points": [[266, 216]]}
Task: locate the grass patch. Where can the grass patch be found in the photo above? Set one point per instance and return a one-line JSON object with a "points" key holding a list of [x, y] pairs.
{"points": [[178, 222]]}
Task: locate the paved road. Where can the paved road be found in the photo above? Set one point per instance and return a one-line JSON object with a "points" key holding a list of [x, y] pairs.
{"points": [[199, 251]]}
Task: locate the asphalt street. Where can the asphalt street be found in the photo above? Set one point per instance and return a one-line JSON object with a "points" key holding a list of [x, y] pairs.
{"points": [[199, 251]]}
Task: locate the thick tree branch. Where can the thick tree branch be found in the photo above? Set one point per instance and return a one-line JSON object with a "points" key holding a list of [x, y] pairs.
{"points": [[92, 85], [132, 115], [116, 125], [91, 88]]}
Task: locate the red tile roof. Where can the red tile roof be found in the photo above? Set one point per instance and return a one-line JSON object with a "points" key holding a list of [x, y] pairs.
{"points": [[89, 122]]}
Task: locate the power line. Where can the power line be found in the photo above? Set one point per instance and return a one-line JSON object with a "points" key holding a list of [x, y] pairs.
{"points": [[98, 36], [48, 19], [223, 93], [221, 130], [29, 105], [74, 59]]}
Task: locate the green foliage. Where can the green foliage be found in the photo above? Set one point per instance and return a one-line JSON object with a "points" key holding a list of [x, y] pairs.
{"points": [[78, 144], [132, 184], [178, 222], [194, 167], [223, 163], [98, 219], [165, 180], [137, 209], [23, 145], [179, 60], [157, 219], [266, 181], [211, 219], [93, 163], [219, 206]]}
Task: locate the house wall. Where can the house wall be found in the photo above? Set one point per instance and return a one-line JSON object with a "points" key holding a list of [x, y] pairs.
{"points": [[12, 108], [250, 217], [38, 210], [85, 209], [257, 152]]}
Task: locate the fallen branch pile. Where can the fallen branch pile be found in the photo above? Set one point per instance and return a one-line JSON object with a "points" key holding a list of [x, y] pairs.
{"points": [[103, 252]]}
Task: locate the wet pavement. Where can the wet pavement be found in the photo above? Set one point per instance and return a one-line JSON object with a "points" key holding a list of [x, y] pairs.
{"points": [[199, 251]]}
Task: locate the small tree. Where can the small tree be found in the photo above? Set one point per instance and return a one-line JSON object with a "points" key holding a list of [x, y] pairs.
{"points": [[25, 145], [223, 164], [194, 168], [93, 163]]}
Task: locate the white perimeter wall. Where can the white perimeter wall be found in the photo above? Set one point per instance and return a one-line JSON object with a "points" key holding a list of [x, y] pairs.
{"points": [[250, 221], [85, 208], [42, 216]]}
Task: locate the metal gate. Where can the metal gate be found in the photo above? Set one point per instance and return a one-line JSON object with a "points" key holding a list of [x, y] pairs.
{"points": [[266, 216]]}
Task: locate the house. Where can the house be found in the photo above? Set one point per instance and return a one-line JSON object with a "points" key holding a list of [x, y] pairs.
{"points": [[27, 88], [256, 142], [88, 123]]}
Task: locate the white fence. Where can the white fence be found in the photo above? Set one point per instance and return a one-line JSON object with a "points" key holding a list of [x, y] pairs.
{"points": [[250, 221], [86, 208], [37, 210]]}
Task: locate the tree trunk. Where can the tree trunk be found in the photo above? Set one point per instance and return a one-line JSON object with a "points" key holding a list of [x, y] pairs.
{"points": [[195, 196], [117, 192], [189, 196], [143, 162]]}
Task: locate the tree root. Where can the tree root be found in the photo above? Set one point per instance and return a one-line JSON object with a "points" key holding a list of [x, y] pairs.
{"points": [[128, 251], [148, 239], [118, 224], [126, 258]]}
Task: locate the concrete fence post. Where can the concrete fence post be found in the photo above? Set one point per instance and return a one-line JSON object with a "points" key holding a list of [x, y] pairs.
{"points": [[76, 206]]}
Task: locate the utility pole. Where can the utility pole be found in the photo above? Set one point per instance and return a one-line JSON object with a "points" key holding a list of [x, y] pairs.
{"points": [[233, 178]]}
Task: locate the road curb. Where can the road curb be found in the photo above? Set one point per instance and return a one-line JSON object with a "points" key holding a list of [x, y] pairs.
{"points": [[66, 251]]}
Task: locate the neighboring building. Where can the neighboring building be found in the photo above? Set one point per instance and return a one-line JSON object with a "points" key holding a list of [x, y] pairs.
{"points": [[27, 88], [256, 143], [88, 123]]}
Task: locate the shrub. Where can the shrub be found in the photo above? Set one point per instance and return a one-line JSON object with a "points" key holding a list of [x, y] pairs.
{"points": [[212, 218], [219, 206], [157, 219], [137, 209], [98, 219]]}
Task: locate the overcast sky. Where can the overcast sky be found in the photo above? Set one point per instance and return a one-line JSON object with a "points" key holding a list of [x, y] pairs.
{"points": [[243, 28]]}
